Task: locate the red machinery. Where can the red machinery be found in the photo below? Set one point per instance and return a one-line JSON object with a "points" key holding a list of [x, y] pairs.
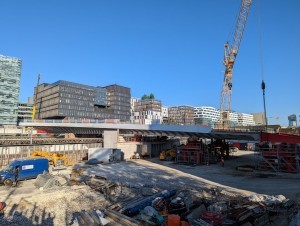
{"points": [[279, 152]]}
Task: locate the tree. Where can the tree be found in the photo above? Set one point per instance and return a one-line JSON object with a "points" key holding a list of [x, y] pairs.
{"points": [[144, 97], [151, 96]]}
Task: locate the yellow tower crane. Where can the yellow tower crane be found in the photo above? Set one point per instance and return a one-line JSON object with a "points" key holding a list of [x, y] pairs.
{"points": [[35, 98], [230, 52]]}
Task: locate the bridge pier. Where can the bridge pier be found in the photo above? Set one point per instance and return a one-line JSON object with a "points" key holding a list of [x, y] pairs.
{"points": [[110, 138]]}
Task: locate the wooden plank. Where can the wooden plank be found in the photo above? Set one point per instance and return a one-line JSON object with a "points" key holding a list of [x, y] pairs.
{"points": [[121, 218]]}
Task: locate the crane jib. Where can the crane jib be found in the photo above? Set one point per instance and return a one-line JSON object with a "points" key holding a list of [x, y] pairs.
{"points": [[230, 54]]}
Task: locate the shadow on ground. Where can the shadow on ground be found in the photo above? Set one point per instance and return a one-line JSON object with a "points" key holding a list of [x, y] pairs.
{"points": [[26, 213]]}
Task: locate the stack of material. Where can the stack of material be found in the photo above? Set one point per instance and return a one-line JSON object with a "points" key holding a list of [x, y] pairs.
{"points": [[45, 181], [102, 185], [98, 217]]}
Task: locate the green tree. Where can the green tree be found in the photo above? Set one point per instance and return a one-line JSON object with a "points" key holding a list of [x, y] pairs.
{"points": [[144, 97], [151, 96]]}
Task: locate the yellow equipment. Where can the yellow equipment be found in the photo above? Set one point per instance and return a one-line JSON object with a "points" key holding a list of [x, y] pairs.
{"points": [[168, 154], [230, 53], [55, 159]]}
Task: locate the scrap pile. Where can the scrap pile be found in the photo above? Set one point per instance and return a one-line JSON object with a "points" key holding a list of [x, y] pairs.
{"points": [[149, 205], [210, 207]]}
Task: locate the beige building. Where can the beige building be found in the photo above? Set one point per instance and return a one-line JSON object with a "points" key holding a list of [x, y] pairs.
{"points": [[147, 111], [181, 115]]}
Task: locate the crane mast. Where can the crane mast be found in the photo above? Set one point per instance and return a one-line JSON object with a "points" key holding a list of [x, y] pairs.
{"points": [[230, 53]]}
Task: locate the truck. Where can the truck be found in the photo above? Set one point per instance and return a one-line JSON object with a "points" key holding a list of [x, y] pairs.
{"points": [[23, 169]]}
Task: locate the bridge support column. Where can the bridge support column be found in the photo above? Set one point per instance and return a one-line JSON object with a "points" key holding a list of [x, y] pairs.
{"points": [[110, 138]]}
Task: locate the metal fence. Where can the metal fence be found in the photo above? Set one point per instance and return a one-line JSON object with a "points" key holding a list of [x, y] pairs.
{"points": [[74, 152]]}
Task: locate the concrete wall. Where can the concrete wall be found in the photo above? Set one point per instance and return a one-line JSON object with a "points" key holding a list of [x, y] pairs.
{"points": [[129, 149], [110, 138]]}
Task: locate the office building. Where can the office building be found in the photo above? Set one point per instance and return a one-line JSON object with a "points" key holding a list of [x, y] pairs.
{"points": [[68, 100], [259, 118], [165, 115], [292, 120], [147, 111], [25, 110], [132, 104], [181, 115], [245, 119], [206, 115], [10, 75]]}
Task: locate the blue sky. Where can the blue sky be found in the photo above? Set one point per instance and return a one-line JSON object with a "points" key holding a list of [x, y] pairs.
{"points": [[172, 48]]}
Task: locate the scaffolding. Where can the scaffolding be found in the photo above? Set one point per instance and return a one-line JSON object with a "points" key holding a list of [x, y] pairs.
{"points": [[280, 157], [194, 153]]}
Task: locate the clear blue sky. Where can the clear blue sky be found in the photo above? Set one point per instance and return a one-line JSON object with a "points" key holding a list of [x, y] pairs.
{"points": [[172, 48]]}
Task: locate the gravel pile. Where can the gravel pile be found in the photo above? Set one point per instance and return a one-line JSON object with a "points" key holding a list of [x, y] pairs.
{"points": [[52, 207]]}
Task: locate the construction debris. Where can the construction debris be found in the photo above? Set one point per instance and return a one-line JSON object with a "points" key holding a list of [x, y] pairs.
{"points": [[2, 206], [45, 181], [146, 202]]}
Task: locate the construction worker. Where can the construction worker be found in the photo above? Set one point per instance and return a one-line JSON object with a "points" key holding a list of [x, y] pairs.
{"points": [[17, 172], [222, 162]]}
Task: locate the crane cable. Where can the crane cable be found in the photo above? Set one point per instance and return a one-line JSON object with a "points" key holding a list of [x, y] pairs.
{"points": [[263, 85]]}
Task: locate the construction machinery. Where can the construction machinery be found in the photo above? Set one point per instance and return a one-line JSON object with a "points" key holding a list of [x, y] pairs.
{"points": [[230, 52], [168, 154], [55, 159]]}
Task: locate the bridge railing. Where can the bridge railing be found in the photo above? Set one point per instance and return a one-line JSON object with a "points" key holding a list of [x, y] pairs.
{"points": [[88, 121]]}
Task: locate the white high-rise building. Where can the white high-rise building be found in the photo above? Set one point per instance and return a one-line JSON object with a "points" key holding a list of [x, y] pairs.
{"points": [[246, 119], [206, 115], [211, 115], [233, 118]]}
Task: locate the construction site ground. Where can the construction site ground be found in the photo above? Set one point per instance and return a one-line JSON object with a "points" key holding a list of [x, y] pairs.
{"points": [[27, 205]]}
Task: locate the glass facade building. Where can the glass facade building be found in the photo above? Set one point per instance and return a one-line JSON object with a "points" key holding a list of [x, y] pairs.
{"points": [[206, 115], [10, 75], [68, 100]]}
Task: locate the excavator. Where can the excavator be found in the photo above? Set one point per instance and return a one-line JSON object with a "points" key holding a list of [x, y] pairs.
{"points": [[55, 159], [168, 155]]}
